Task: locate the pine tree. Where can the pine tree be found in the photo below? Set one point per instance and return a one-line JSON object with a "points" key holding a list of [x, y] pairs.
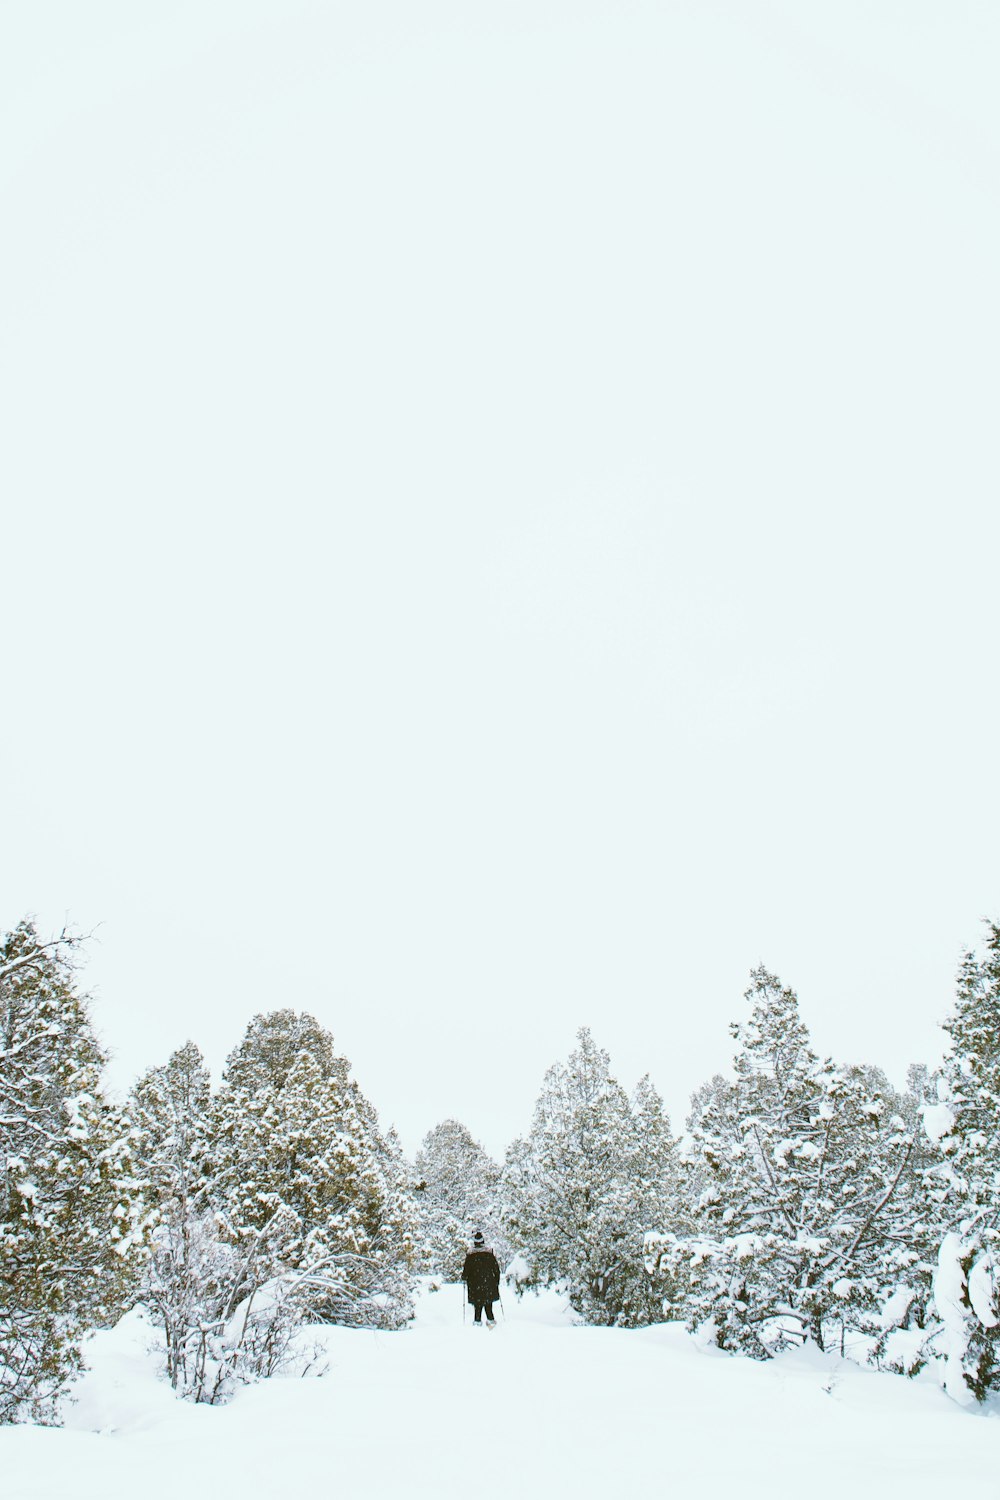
{"points": [[663, 1198], [272, 1045], [191, 1275], [594, 1176], [301, 1165], [806, 1223], [967, 1284], [886, 1291], [456, 1192], [72, 1209]]}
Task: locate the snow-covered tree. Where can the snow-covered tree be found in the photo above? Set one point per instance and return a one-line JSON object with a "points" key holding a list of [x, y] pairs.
{"points": [[227, 1313], [966, 1124], [192, 1279], [811, 1217], [273, 1044], [71, 1213], [456, 1191], [299, 1161], [595, 1175], [277, 1201]]}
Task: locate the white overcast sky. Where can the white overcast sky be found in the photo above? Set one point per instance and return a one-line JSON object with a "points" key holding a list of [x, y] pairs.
{"points": [[500, 524]]}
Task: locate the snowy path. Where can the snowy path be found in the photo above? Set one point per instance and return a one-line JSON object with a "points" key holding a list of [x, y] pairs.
{"points": [[537, 1408]]}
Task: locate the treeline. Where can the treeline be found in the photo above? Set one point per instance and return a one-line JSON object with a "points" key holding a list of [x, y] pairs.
{"points": [[235, 1216], [807, 1201]]}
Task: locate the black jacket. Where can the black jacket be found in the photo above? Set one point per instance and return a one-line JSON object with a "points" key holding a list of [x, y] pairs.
{"points": [[481, 1274]]}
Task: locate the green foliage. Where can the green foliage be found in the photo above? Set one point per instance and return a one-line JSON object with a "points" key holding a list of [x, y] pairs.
{"points": [[811, 1203], [596, 1174], [191, 1279], [967, 1287], [278, 1202], [456, 1192], [272, 1046], [71, 1212], [297, 1145], [809, 1221]]}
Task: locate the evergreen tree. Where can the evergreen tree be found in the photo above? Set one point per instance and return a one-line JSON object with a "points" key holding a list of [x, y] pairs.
{"points": [[271, 1047], [71, 1213], [300, 1163], [191, 1277], [886, 1294], [967, 1284], [456, 1192], [807, 1222], [595, 1175]]}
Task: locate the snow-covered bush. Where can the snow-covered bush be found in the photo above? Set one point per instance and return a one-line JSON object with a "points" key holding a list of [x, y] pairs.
{"points": [[71, 1212], [192, 1279]]}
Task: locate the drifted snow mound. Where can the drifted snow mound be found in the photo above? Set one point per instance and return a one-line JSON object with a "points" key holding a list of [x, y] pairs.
{"points": [[123, 1390], [538, 1406], [964, 1294]]}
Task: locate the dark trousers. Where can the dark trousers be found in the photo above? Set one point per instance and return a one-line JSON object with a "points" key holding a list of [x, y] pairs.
{"points": [[479, 1311]]}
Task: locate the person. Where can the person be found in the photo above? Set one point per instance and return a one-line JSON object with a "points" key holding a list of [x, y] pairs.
{"points": [[481, 1274]]}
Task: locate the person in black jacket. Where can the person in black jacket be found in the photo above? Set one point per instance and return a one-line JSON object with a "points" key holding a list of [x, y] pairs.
{"points": [[481, 1274]]}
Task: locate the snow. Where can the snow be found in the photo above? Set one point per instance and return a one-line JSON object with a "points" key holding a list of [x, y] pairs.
{"points": [[519, 1271], [983, 1287], [939, 1120], [539, 1406], [895, 1310], [949, 1295]]}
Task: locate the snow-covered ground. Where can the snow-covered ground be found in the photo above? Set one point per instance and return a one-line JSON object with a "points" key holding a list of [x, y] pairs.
{"points": [[538, 1407]]}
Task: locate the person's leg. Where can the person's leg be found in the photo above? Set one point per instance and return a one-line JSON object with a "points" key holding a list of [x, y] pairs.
{"points": [[479, 1312], [489, 1312]]}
